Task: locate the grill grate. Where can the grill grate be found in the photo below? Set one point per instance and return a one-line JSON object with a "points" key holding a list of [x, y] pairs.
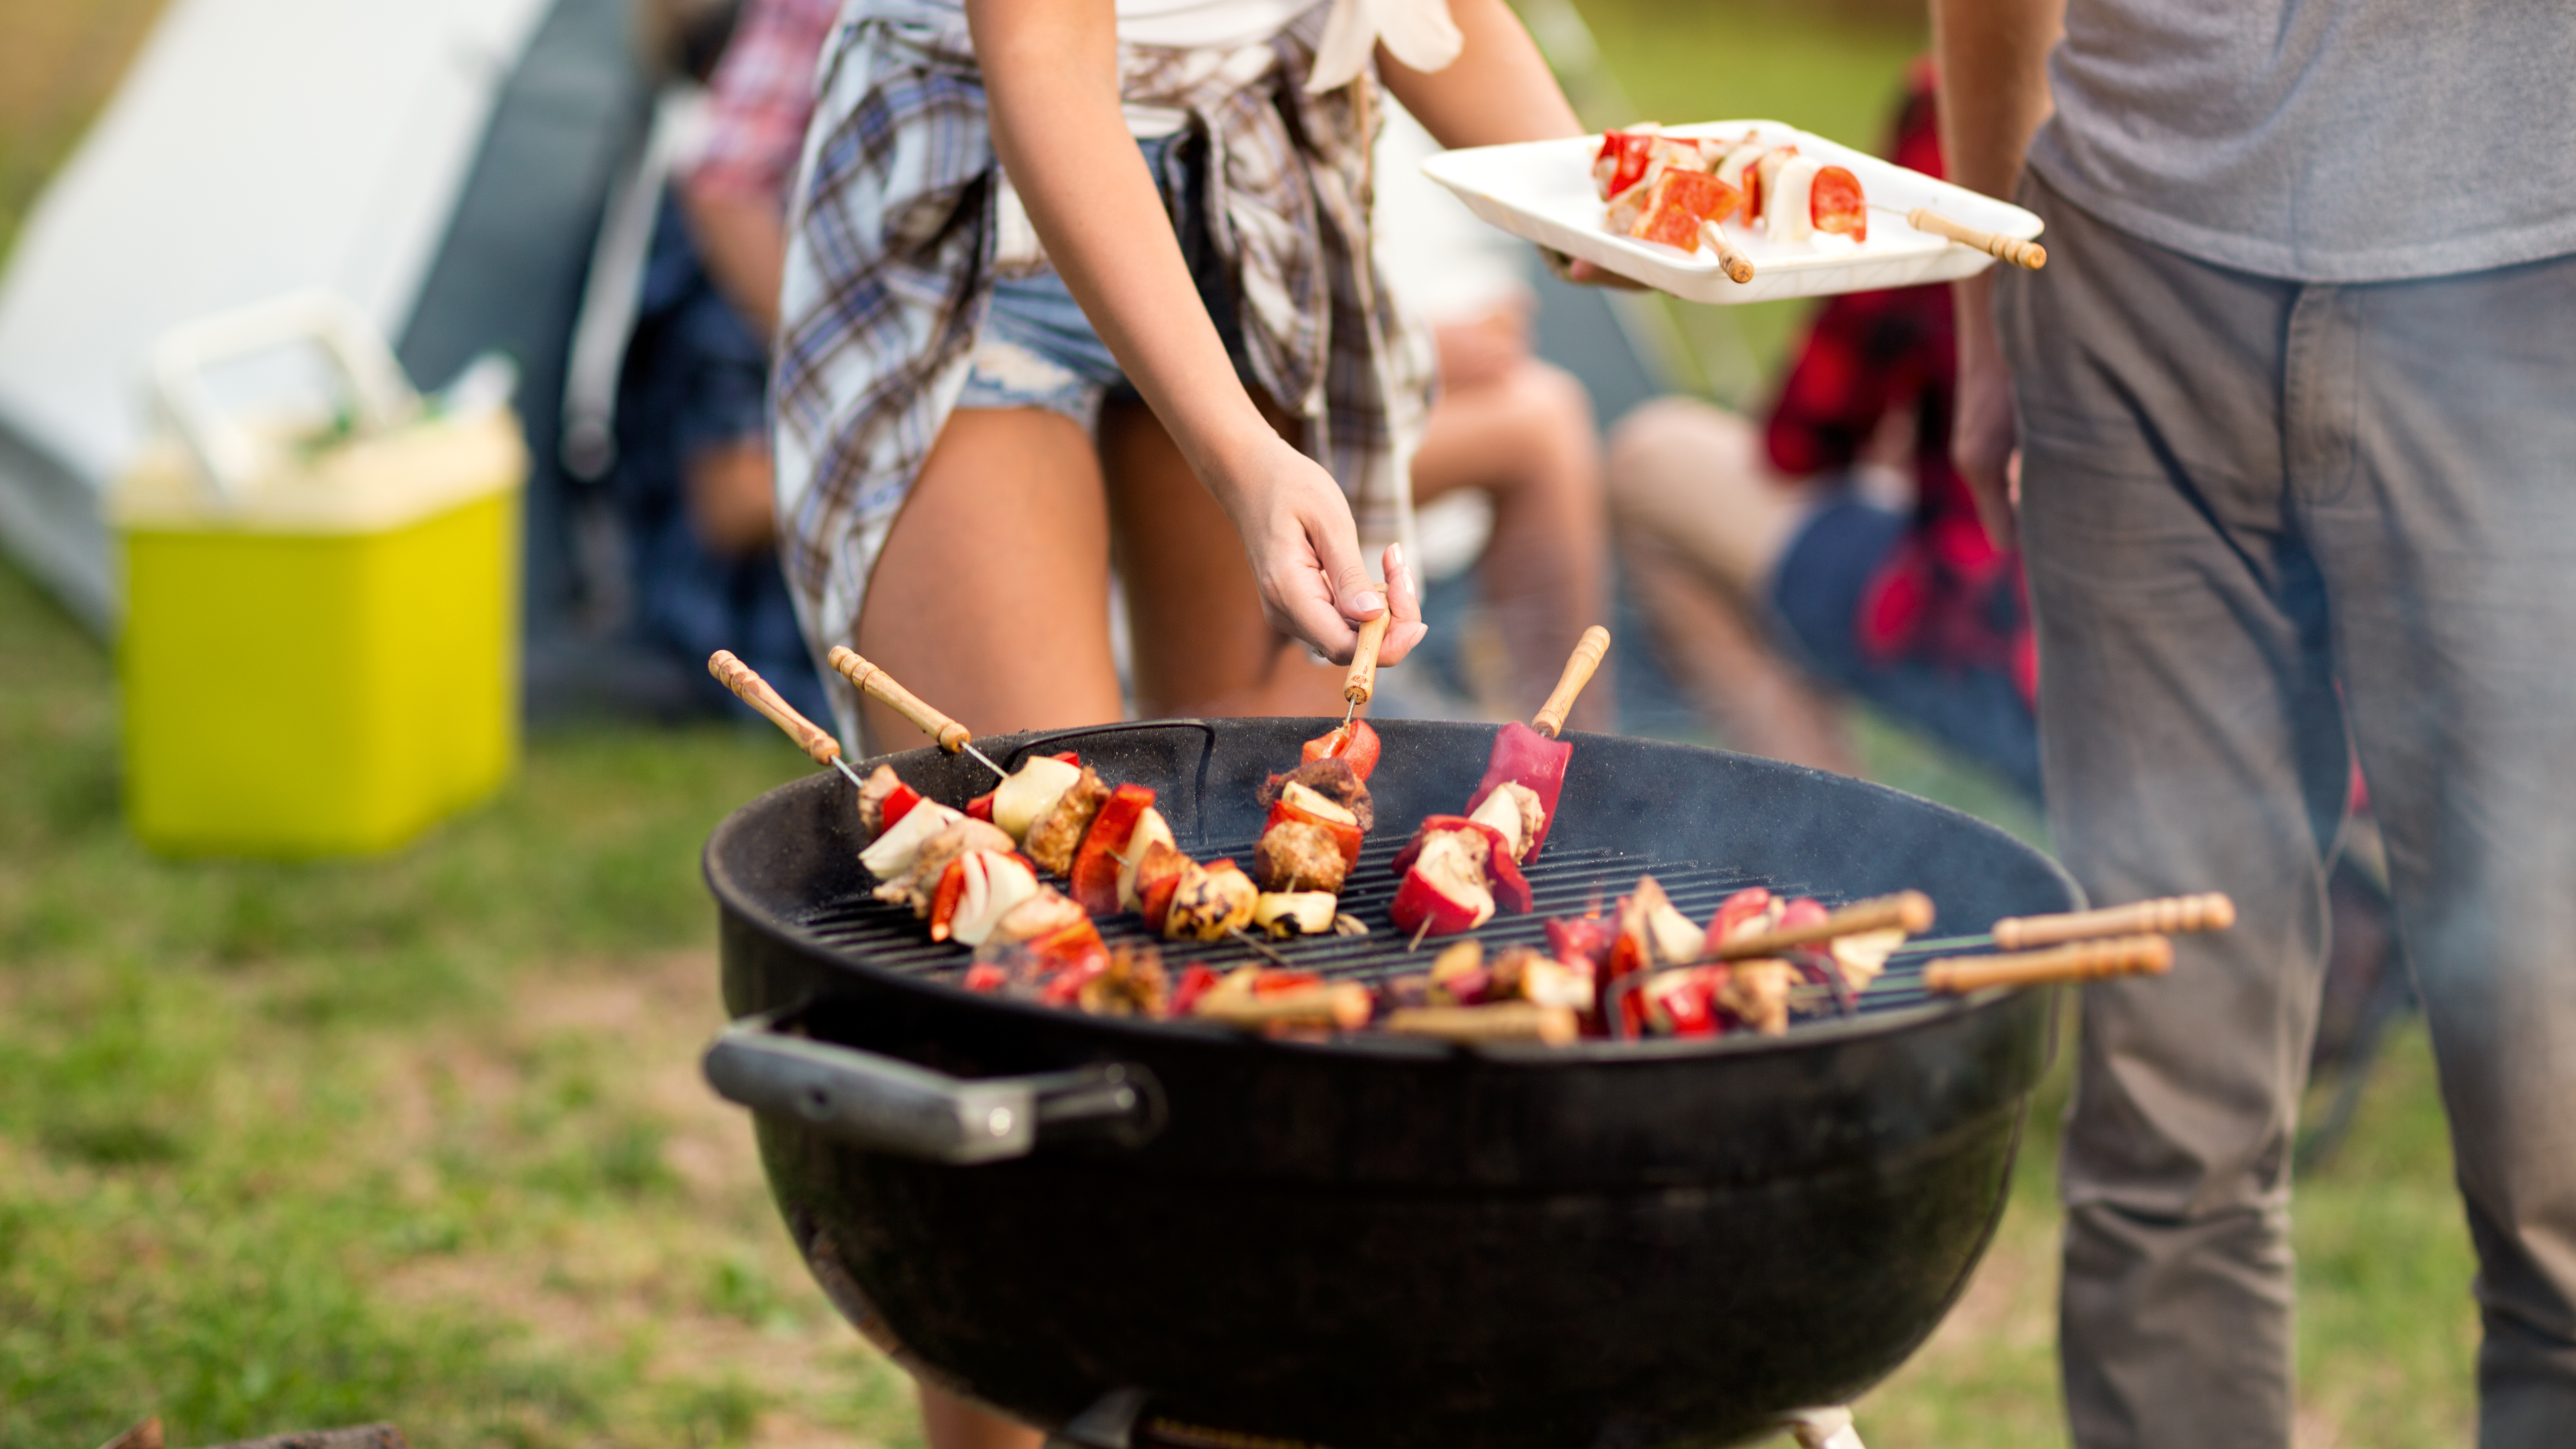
{"points": [[871, 933]]}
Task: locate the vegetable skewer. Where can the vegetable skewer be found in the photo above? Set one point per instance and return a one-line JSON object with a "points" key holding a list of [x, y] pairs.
{"points": [[1458, 869]]}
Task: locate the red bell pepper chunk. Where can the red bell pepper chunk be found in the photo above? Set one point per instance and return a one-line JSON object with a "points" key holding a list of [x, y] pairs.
{"points": [[1621, 161], [944, 899], [1734, 911], [1421, 905], [1523, 756], [981, 808], [1354, 742], [1069, 757], [1346, 838], [1095, 865], [986, 976], [1502, 874], [1585, 940], [1804, 911], [1158, 879], [897, 805], [1196, 981], [1070, 950], [1684, 1003], [1269, 982]]}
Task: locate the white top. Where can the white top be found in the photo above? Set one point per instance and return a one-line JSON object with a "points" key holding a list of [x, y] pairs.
{"points": [[1197, 24]]}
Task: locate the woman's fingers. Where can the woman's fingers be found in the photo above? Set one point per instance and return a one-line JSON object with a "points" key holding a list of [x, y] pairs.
{"points": [[1404, 600]]}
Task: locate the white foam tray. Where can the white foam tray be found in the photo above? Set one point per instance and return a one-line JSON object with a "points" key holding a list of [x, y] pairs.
{"points": [[1542, 190]]}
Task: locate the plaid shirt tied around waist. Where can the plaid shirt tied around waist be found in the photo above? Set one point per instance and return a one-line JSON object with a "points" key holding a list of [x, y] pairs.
{"points": [[891, 261]]}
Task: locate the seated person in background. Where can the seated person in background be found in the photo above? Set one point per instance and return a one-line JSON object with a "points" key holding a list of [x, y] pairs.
{"points": [[1788, 525], [1504, 424], [692, 475]]}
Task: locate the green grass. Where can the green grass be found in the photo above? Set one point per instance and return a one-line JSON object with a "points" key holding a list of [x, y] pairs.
{"points": [[286, 1146]]}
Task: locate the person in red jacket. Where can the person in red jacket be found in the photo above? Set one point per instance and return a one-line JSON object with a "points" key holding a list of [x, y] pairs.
{"points": [[1838, 528]]}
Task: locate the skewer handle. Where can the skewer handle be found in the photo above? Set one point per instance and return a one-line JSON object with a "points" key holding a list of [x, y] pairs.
{"points": [[2080, 961], [2211, 912], [1588, 653], [1994, 244], [1341, 1004], [746, 682], [1363, 676], [1473, 1025], [1909, 911], [878, 685], [1730, 258]]}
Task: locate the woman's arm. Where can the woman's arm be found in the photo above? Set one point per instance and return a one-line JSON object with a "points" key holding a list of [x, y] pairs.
{"points": [[1498, 90], [1051, 79]]}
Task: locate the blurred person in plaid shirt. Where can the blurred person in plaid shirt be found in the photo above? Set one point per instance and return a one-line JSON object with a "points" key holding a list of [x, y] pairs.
{"points": [[1838, 529]]}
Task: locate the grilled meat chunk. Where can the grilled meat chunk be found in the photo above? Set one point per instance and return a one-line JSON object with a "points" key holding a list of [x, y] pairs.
{"points": [[1054, 838], [1331, 777], [1132, 984], [1296, 856], [872, 799]]}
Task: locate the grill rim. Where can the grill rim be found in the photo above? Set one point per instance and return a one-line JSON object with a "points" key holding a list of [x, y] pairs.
{"points": [[746, 910]]}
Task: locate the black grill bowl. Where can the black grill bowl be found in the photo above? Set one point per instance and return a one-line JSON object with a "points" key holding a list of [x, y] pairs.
{"points": [[1386, 1244]]}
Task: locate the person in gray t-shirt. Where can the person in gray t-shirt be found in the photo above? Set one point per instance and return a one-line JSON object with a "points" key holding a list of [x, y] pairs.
{"points": [[2287, 429]]}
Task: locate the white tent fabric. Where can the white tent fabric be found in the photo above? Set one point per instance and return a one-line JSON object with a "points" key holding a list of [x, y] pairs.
{"points": [[257, 147]]}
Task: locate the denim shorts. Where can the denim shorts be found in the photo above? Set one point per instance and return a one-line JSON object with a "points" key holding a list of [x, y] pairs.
{"points": [[1038, 350]]}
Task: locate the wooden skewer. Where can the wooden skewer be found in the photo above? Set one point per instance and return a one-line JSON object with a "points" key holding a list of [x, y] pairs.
{"points": [[1730, 258], [1342, 1004], [878, 685], [2079, 961], [746, 683], [1994, 244], [1362, 681], [2209, 912], [1499, 1022], [2171, 915], [1909, 911], [1579, 668]]}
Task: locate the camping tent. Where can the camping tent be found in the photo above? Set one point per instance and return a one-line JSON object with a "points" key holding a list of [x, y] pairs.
{"points": [[443, 166]]}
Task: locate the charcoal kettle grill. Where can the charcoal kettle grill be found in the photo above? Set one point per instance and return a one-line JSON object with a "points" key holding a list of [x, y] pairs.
{"points": [[1378, 1242]]}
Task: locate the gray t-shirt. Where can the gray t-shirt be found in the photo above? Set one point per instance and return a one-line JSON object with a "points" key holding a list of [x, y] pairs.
{"points": [[2321, 140]]}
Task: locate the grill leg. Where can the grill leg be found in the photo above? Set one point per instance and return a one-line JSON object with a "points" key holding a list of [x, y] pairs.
{"points": [[1823, 1428], [1109, 1423]]}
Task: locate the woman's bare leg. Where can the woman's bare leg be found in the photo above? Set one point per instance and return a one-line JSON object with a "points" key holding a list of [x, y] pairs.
{"points": [[1202, 647], [1527, 439], [991, 599]]}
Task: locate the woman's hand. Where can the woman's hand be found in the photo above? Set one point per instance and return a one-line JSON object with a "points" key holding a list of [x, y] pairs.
{"points": [[1305, 553]]}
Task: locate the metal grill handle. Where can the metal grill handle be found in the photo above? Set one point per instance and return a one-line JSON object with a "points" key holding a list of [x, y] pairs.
{"points": [[885, 1105]]}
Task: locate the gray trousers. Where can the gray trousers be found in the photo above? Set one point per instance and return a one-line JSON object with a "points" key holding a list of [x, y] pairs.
{"points": [[2267, 523]]}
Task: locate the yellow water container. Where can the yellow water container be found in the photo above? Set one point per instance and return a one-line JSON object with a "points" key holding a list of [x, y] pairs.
{"points": [[321, 657]]}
